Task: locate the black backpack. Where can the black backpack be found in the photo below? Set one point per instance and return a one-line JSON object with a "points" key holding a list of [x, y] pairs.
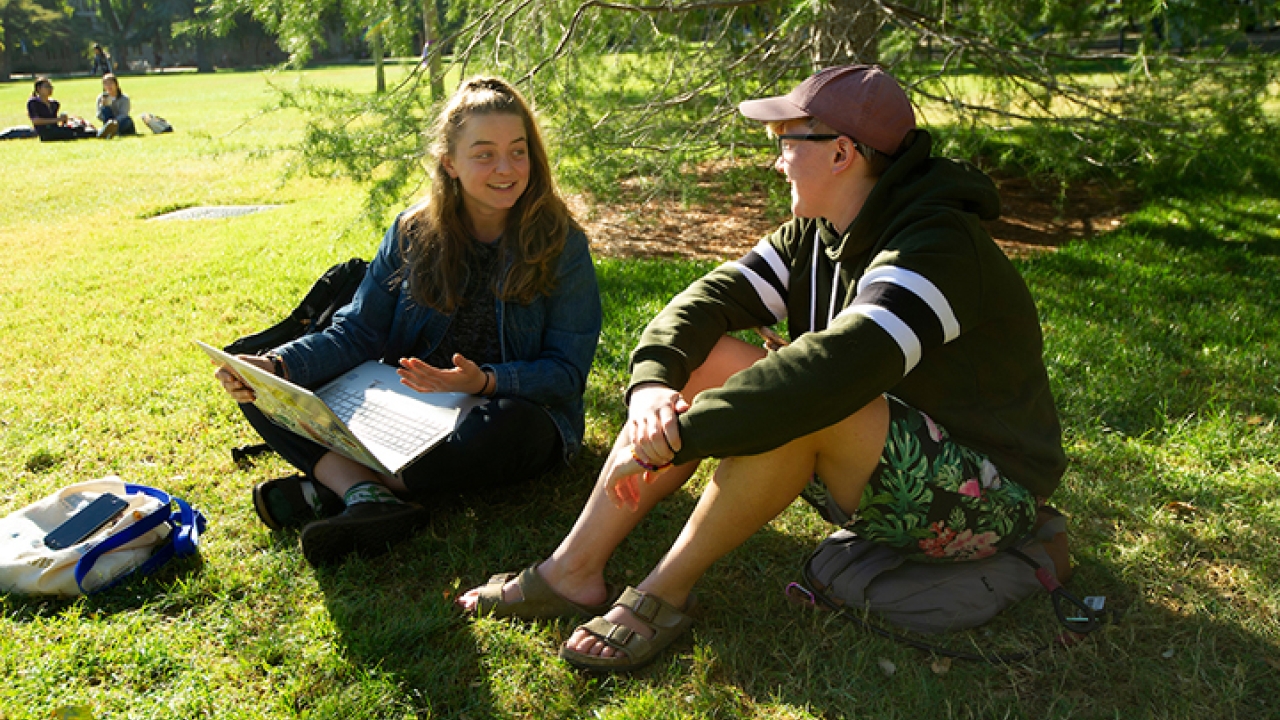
{"points": [[327, 296]]}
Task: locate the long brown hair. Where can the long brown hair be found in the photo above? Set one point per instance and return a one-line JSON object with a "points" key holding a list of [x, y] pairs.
{"points": [[435, 238], [114, 79]]}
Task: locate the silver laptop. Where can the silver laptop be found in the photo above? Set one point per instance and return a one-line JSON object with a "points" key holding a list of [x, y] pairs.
{"points": [[366, 413]]}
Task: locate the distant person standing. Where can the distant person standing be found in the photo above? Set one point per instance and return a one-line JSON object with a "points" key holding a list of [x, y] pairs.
{"points": [[113, 104], [52, 124], [101, 61]]}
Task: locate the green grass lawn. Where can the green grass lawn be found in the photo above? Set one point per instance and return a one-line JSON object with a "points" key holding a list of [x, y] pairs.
{"points": [[1160, 340]]}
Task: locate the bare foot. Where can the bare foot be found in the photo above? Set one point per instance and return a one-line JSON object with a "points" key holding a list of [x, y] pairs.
{"points": [[587, 590], [584, 642]]}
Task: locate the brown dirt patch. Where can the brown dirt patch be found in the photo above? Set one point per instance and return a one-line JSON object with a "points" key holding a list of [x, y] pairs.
{"points": [[1036, 217]]}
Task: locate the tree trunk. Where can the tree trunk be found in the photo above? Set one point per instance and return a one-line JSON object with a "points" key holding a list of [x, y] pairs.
{"points": [[431, 49], [375, 49], [116, 33], [4, 53], [204, 63], [847, 33]]}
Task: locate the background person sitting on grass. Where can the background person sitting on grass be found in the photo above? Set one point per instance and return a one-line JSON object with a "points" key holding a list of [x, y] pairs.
{"points": [[113, 104], [52, 124], [914, 386], [487, 288]]}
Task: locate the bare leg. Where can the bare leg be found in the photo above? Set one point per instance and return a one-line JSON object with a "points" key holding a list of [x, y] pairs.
{"points": [[368, 525], [748, 492], [576, 568], [340, 473]]}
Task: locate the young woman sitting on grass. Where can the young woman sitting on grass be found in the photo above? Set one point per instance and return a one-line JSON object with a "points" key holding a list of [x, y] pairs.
{"points": [[487, 288], [52, 124], [113, 105], [913, 388]]}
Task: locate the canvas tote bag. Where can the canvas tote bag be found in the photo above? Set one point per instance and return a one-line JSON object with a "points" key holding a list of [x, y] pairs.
{"points": [[153, 529]]}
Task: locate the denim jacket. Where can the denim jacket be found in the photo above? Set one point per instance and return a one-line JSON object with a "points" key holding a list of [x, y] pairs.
{"points": [[547, 345]]}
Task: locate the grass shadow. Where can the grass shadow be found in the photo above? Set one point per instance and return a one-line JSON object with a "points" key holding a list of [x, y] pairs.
{"points": [[131, 595], [1181, 312], [834, 668], [396, 612], [392, 614]]}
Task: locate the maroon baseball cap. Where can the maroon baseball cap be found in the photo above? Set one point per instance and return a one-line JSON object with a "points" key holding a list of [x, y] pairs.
{"points": [[861, 101]]}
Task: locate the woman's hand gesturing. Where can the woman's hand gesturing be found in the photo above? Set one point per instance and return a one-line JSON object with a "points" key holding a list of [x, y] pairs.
{"points": [[465, 376]]}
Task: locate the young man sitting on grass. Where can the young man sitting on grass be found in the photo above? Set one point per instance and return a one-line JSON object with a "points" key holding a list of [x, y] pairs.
{"points": [[913, 388]]}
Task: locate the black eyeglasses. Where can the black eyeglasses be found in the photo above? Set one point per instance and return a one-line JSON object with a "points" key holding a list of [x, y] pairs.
{"points": [[809, 137], [804, 136]]}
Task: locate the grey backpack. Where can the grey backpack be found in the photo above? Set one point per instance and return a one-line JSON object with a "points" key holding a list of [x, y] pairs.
{"points": [[847, 571], [850, 575]]}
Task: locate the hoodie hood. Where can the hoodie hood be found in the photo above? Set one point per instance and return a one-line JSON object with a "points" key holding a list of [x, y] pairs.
{"points": [[915, 185]]}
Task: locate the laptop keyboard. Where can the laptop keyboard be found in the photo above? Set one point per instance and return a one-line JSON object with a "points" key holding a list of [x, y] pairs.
{"points": [[384, 426]]}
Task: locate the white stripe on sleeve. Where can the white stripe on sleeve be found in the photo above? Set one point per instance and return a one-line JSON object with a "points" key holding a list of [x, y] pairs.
{"points": [[922, 288], [770, 255], [770, 297], [901, 332]]}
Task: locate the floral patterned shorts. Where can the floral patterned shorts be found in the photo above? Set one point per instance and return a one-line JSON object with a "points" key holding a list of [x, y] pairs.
{"points": [[932, 499]]}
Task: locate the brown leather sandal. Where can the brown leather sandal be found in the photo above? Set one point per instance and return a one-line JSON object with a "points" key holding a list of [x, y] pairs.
{"points": [[667, 623], [539, 600]]}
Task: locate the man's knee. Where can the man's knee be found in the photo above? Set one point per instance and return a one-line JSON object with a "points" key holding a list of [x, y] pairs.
{"points": [[729, 357], [849, 452]]}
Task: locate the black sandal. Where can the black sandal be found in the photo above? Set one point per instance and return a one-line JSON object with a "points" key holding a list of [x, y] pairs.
{"points": [[367, 529], [281, 503]]}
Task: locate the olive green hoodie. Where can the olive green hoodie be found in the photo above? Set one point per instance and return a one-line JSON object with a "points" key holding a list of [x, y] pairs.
{"points": [[914, 300]]}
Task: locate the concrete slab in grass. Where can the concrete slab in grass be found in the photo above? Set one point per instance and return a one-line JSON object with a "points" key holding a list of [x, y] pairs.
{"points": [[213, 212]]}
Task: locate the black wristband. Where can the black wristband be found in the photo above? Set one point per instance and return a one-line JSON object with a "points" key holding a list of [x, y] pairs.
{"points": [[277, 365]]}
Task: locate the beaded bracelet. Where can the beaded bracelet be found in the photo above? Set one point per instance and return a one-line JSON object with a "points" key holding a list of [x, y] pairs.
{"points": [[647, 466]]}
